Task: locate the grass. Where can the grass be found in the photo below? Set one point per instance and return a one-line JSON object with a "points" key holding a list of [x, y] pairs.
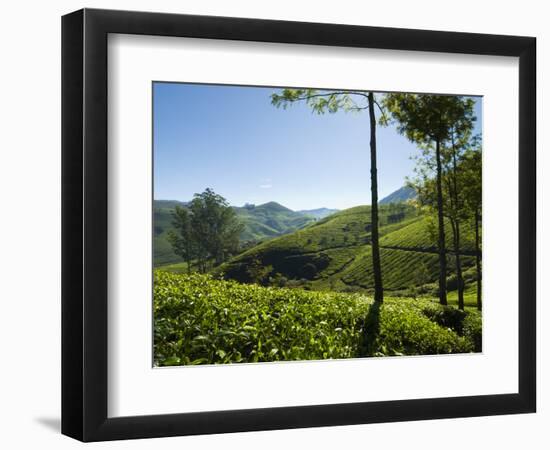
{"points": [[180, 267], [470, 296], [201, 320]]}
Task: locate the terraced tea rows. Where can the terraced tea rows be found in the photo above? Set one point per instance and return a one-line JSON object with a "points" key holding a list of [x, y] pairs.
{"points": [[335, 253]]}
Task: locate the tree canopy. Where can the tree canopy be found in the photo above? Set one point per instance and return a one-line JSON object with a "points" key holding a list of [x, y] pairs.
{"points": [[426, 118], [207, 230]]}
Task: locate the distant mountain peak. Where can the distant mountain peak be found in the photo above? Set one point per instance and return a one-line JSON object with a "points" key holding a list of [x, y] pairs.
{"points": [[274, 206], [318, 213], [399, 196]]}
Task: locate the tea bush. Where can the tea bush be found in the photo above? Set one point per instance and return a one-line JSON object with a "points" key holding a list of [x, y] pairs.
{"points": [[202, 320]]}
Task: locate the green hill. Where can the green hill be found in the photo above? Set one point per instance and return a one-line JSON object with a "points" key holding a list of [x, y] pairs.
{"points": [[162, 223], [268, 220], [260, 222], [422, 236], [335, 253]]}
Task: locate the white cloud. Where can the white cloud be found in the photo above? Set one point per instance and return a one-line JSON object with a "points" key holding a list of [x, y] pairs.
{"points": [[266, 186]]}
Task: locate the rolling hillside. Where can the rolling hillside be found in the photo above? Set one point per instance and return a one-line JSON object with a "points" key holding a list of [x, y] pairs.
{"points": [[268, 220], [162, 218], [335, 253], [421, 236], [260, 222]]}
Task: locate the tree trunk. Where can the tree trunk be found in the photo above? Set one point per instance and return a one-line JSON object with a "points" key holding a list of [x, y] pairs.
{"points": [[188, 253], [478, 262], [377, 269], [441, 226], [456, 241], [456, 232]]}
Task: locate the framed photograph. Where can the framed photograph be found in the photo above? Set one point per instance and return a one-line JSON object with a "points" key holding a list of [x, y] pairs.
{"points": [[273, 224]]}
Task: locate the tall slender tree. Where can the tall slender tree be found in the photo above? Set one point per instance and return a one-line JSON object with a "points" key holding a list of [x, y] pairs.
{"points": [[471, 170], [323, 102], [461, 198], [456, 182], [428, 120]]}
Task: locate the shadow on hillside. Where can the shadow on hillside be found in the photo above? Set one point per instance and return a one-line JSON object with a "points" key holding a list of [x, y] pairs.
{"points": [[372, 330]]}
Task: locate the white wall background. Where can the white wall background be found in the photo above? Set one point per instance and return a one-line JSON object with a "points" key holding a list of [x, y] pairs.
{"points": [[30, 226]]}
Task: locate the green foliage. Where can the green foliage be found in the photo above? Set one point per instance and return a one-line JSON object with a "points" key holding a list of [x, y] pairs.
{"points": [[214, 225], [206, 230], [472, 329], [464, 323], [402, 330], [471, 170], [258, 273], [460, 188], [461, 180], [322, 102], [200, 320], [278, 280], [441, 125], [424, 118], [446, 316], [309, 270], [470, 293], [182, 238]]}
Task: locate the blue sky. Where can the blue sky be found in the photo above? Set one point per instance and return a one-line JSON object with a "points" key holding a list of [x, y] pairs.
{"points": [[231, 139]]}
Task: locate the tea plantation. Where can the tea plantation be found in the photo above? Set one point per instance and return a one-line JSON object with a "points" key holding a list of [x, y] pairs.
{"points": [[334, 254], [202, 320]]}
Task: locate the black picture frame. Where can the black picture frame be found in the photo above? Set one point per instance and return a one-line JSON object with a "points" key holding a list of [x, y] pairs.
{"points": [[84, 224]]}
